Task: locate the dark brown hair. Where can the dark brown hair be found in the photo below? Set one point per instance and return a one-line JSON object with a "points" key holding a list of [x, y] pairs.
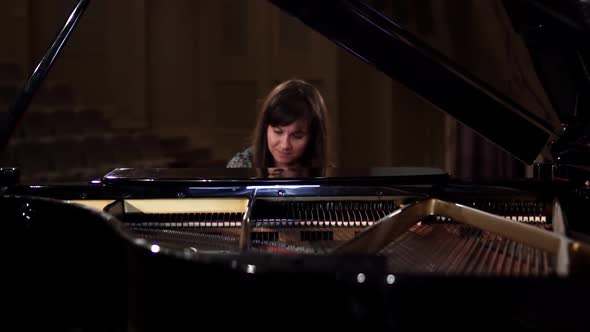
{"points": [[288, 102]]}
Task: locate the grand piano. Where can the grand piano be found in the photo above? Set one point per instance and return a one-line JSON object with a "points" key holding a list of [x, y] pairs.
{"points": [[372, 249]]}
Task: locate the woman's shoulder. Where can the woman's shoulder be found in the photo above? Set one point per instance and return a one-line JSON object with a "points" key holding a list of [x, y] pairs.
{"points": [[242, 159]]}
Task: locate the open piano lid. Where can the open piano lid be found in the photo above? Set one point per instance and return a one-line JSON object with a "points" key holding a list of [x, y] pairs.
{"points": [[377, 40]]}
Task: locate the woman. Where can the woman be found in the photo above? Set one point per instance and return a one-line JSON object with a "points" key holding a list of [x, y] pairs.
{"points": [[291, 131]]}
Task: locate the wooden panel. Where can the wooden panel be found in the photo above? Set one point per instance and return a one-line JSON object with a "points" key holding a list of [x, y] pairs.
{"points": [[14, 32], [172, 40], [292, 35], [126, 58], [235, 104], [234, 35], [365, 115]]}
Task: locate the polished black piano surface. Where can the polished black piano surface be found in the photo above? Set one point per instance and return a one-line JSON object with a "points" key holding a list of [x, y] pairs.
{"points": [[374, 249]]}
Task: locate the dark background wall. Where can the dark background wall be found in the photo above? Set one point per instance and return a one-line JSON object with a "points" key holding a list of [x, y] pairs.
{"points": [[188, 76]]}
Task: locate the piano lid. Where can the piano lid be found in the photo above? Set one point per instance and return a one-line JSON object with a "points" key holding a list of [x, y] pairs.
{"points": [[376, 39]]}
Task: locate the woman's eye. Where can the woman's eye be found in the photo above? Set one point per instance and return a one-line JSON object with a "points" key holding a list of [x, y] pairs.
{"points": [[298, 136], [278, 132]]}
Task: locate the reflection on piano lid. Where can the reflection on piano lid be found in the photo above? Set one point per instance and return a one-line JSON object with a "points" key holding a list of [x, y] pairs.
{"points": [[244, 176], [377, 249]]}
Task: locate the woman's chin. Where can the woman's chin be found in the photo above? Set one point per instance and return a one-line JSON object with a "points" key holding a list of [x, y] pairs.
{"points": [[284, 162]]}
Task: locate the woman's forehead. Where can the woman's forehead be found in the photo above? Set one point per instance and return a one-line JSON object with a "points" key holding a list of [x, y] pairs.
{"points": [[297, 125]]}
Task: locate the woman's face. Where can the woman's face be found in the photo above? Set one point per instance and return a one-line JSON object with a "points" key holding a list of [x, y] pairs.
{"points": [[287, 143]]}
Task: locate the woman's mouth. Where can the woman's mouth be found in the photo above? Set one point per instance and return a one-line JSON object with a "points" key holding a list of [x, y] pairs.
{"points": [[284, 155]]}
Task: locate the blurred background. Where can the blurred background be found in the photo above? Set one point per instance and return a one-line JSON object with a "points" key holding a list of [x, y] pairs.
{"points": [[178, 83]]}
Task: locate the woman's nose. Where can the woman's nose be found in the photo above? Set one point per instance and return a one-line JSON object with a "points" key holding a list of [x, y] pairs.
{"points": [[285, 142]]}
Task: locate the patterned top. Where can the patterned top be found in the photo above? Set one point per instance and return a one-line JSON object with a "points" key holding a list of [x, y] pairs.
{"points": [[241, 160]]}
